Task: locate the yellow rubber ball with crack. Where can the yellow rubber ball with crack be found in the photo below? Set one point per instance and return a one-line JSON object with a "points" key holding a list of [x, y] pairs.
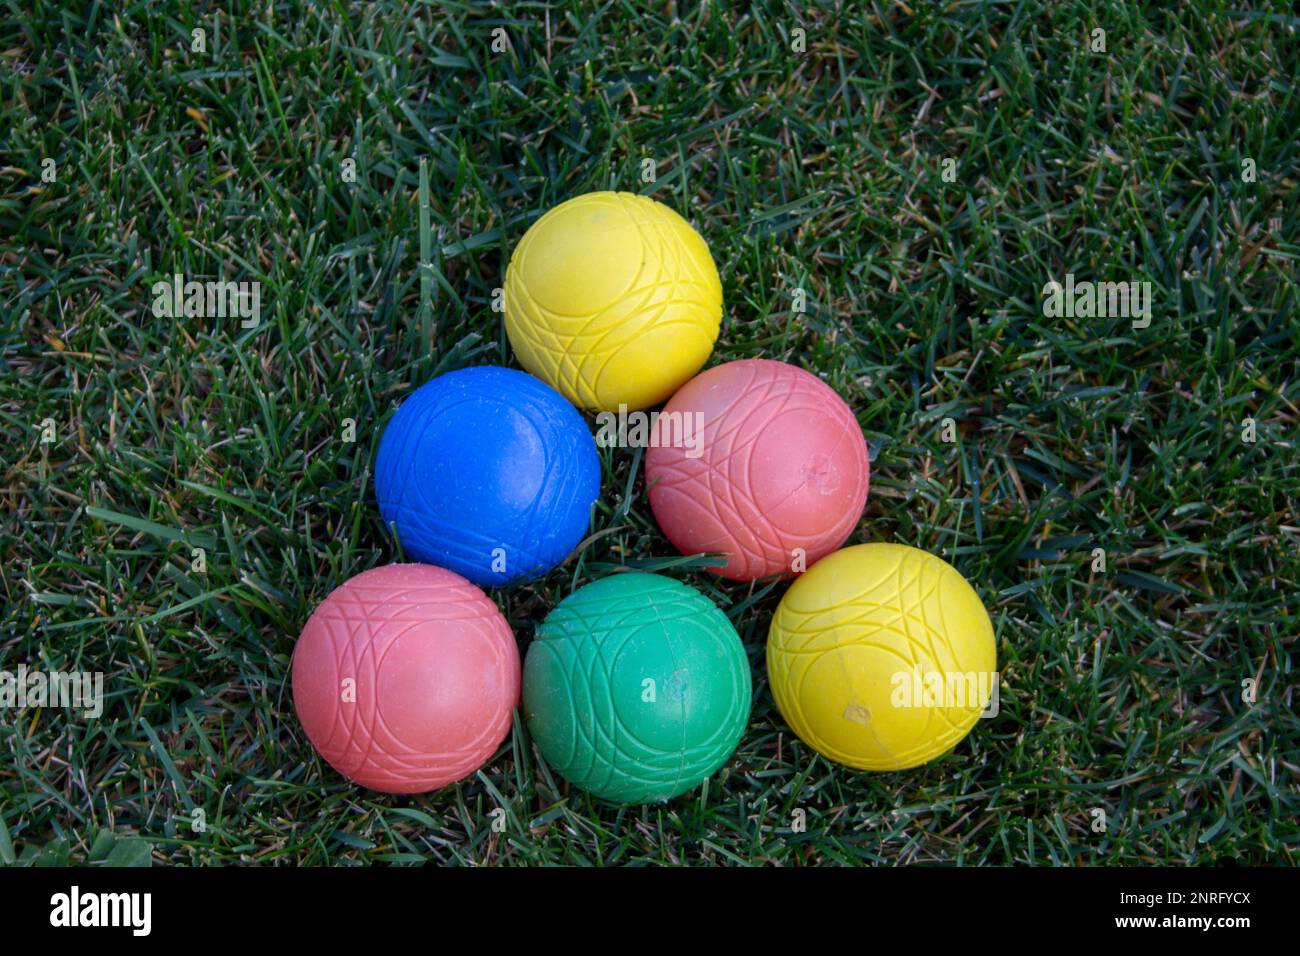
{"points": [[881, 657], [612, 299]]}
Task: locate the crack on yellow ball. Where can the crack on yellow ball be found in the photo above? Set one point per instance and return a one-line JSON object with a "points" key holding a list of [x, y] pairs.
{"points": [[858, 714]]}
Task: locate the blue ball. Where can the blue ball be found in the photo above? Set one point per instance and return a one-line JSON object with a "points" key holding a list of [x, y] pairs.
{"points": [[487, 472]]}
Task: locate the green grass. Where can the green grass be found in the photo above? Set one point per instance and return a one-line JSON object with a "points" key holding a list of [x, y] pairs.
{"points": [[822, 170]]}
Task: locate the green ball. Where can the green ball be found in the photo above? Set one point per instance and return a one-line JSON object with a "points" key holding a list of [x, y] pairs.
{"points": [[636, 688]]}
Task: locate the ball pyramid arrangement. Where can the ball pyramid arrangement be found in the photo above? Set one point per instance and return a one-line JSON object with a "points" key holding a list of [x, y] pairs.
{"points": [[636, 687]]}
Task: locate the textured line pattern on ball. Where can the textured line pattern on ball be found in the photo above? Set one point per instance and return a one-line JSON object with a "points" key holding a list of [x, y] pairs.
{"points": [[586, 636], [428, 533], [903, 628], [727, 477], [357, 624], [573, 351]]}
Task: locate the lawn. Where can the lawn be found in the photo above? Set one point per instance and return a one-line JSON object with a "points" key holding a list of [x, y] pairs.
{"points": [[920, 173]]}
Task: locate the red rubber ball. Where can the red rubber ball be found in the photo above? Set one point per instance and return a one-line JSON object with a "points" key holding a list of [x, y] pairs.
{"points": [[776, 477], [405, 678]]}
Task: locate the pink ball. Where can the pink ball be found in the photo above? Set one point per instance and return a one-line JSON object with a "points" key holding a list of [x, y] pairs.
{"points": [[405, 678], [782, 466]]}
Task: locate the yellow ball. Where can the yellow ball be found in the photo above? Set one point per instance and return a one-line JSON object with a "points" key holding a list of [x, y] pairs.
{"points": [[612, 299], [881, 657]]}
